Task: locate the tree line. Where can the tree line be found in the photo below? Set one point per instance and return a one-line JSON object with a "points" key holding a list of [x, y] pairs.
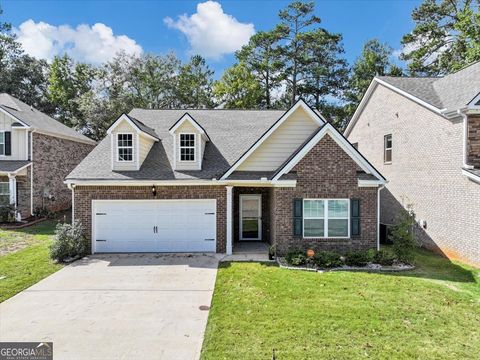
{"points": [[297, 58]]}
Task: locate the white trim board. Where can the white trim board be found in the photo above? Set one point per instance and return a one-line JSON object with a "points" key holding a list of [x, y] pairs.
{"points": [[195, 124], [342, 142], [259, 183], [125, 117], [246, 155], [471, 176]]}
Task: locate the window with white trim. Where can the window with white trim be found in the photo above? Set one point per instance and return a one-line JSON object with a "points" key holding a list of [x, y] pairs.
{"points": [[4, 193], [187, 147], [124, 147], [2, 142], [387, 154], [326, 218]]}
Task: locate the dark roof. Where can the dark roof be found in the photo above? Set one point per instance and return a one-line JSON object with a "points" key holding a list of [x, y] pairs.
{"points": [[38, 120], [12, 165], [231, 132], [451, 92], [364, 176], [143, 127]]}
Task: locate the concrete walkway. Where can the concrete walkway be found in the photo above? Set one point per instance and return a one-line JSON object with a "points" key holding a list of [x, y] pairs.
{"points": [[135, 306]]}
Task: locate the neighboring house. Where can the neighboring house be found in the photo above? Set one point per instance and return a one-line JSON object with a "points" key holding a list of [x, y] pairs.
{"points": [[201, 180], [36, 153], [423, 134]]}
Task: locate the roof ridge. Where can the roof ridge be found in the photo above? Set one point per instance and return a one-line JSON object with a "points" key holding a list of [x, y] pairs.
{"points": [[196, 109]]}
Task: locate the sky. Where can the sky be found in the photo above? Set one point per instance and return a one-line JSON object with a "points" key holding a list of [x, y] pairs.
{"points": [[93, 31]]}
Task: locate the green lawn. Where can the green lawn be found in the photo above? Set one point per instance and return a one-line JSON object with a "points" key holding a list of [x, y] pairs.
{"points": [[432, 312], [25, 267]]}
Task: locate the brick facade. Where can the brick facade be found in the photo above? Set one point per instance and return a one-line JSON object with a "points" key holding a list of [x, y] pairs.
{"points": [[473, 141], [85, 194], [326, 172], [53, 159], [425, 171]]}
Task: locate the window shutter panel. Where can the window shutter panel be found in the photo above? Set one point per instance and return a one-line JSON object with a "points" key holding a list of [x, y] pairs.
{"points": [[355, 216], [297, 217], [8, 143]]}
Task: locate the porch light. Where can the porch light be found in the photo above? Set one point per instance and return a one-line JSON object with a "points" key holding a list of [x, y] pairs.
{"points": [[154, 191]]}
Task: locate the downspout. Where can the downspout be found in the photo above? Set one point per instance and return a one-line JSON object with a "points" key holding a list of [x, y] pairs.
{"points": [[378, 216], [72, 187], [465, 140], [31, 172]]}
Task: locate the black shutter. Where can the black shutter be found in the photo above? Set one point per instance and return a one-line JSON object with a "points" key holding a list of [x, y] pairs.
{"points": [[355, 216], [297, 217], [8, 143]]}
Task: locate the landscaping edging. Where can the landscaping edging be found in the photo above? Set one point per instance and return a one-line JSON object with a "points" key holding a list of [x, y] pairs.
{"points": [[21, 226], [378, 268]]}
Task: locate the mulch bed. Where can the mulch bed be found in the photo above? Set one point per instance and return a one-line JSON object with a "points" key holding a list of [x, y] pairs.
{"points": [[368, 268]]}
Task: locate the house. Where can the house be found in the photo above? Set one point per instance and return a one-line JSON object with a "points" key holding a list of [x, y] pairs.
{"points": [[423, 134], [202, 180], [36, 153]]}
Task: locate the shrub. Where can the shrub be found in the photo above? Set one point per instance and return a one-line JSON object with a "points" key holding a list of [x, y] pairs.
{"points": [[68, 242], [358, 258], [296, 257], [42, 212], [384, 257], [402, 236], [7, 213], [327, 259]]}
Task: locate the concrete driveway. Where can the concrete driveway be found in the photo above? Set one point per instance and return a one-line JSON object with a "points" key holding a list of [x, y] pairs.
{"points": [[129, 306]]}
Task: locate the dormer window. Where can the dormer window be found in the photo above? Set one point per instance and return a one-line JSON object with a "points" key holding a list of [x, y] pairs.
{"points": [[125, 147], [187, 147]]}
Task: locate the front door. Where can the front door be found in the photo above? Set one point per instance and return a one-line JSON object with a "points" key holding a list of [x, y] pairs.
{"points": [[250, 217]]}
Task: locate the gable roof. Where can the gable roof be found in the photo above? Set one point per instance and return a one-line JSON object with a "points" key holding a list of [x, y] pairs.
{"points": [[188, 117], [30, 117], [443, 95], [136, 124], [299, 104], [340, 140]]}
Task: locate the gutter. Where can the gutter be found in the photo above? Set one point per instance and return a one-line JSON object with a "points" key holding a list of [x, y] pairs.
{"points": [[31, 171], [378, 216], [214, 182]]}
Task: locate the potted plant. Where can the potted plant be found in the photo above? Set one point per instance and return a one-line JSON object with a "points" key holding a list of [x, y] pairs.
{"points": [[271, 252]]}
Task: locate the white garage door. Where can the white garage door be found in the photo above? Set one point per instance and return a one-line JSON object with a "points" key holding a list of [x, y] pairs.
{"points": [[154, 225]]}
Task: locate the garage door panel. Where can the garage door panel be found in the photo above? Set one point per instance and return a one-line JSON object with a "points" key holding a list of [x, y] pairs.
{"points": [[181, 226]]}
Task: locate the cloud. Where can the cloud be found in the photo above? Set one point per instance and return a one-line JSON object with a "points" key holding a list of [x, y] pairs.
{"points": [[210, 32], [93, 44]]}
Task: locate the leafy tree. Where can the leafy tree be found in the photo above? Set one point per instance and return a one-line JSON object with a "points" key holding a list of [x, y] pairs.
{"points": [[27, 80], [67, 82], [445, 37], [295, 22], [109, 97], [238, 88], [374, 61], [152, 81], [10, 49], [262, 58], [195, 83]]}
